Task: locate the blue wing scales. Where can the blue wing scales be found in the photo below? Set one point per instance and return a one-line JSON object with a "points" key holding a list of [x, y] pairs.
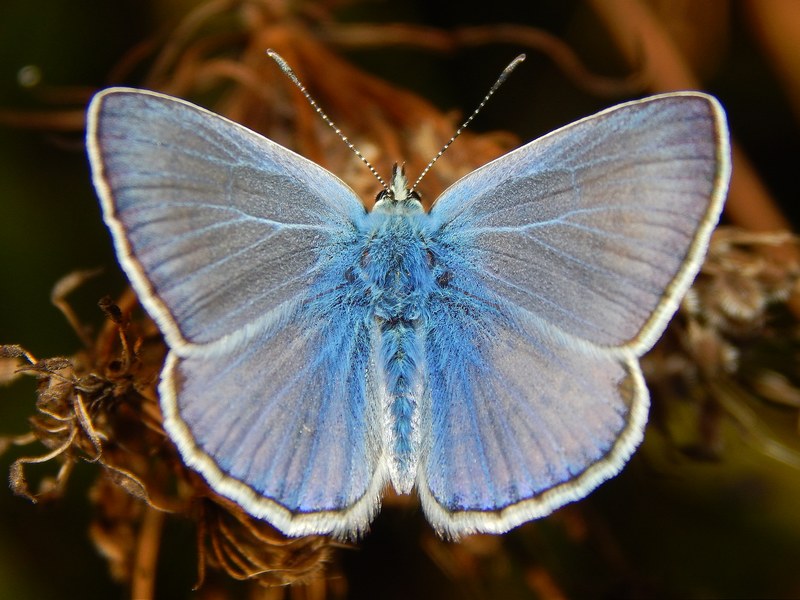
{"points": [[238, 247], [599, 226], [200, 206], [565, 260], [522, 423], [287, 425]]}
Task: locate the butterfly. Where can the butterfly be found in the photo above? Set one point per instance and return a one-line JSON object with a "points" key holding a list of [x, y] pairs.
{"points": [[484, 352]]}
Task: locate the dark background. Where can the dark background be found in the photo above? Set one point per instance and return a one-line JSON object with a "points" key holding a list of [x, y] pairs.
{"points": [[726, 528]]}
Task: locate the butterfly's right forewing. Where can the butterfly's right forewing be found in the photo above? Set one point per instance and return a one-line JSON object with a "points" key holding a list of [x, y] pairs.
{"points": [[599, 227], [238, 248]]}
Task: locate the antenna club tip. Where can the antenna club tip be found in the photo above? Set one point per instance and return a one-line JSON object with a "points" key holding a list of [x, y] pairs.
{"points": [[513, 65], [278, 59]]}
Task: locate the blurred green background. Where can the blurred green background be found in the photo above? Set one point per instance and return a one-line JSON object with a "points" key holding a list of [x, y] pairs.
{"points": [[680, 528]]}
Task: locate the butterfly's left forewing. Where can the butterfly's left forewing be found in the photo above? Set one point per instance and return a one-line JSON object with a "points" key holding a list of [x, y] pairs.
{"points": [[565, 260], [239, 248]]}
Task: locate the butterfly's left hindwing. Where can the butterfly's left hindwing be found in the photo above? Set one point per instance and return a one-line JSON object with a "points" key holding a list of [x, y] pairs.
{"points": [[238, 248], [287, 425]]}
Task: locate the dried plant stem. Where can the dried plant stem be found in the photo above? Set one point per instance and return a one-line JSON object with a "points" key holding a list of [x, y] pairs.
{"points": [[776, 27], [354, 35], [175, 43], [144, 571], [641, 38], [755, 431], [109, 336], [66, 120]]}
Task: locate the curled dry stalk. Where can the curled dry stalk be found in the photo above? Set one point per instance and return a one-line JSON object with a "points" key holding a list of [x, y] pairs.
{"points": [[100, 406], [88, 409]]}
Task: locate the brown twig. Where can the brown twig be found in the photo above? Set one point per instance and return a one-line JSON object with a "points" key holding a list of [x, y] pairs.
{"points": [[144, 570]]}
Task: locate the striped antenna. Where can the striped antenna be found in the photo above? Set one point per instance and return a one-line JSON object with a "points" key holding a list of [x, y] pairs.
{"points": [[291, 75], [500, 80]]}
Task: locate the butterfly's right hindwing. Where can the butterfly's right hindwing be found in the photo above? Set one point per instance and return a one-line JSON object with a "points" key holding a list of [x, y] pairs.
{"points": [[235, 245]]}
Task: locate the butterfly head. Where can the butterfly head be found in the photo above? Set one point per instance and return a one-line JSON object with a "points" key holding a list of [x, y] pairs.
{"points": [[397, 197]]}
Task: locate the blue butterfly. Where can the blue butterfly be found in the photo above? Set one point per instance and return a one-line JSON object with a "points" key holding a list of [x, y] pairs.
{"points": [[484, 353]]}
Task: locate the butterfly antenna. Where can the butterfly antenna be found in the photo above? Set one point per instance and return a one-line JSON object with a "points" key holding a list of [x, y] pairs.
{"points": [[500, 80], [291, 75]]}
